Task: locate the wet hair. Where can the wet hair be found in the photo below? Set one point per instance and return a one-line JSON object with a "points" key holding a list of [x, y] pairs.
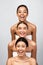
{"points": [[23, 40], [22, 6], [21, 23]]}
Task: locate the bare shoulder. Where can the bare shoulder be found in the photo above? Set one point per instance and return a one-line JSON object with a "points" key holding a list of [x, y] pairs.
{"points": [[32, 61], [31, 24], [11, 42], [13, 26], [9, 61], [32, 43], [12, 59]]}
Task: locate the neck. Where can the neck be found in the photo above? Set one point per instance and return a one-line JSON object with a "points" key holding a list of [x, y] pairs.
{"points": [[22, 21], [22, 57]]}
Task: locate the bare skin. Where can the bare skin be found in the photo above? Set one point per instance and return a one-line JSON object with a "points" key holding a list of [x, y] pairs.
{"points": [[14, 61], [31, 48], [22, 15], [22, 32], [21, 59], [31, 31]]}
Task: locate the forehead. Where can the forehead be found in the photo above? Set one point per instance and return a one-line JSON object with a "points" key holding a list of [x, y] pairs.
{"points": [[22, 25], [21, 43], [22, 8]]}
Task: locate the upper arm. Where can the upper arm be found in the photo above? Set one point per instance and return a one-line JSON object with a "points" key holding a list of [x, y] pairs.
{"points": [[34, 51], [13, 31], [33, 61], [32, 31], [34, 34], [11, 45], [8, 62]]}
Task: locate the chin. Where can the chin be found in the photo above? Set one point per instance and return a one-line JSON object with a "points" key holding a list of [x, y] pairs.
{"points": [[22, 35], [21, 55], [22, 20]]}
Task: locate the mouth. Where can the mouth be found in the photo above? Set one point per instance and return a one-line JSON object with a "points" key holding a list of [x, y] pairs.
{"points": [[20, 51], [22, 17], [22, 33]]}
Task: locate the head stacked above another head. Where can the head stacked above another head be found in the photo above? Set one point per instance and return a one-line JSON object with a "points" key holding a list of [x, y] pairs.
{"points": [[22, 12], [22, 39]]}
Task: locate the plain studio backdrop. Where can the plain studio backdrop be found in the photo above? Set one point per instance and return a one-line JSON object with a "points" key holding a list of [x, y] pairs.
{"points": [[8, 18]]}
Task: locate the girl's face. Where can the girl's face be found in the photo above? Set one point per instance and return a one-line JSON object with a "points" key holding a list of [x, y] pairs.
{"points": [[22, 30], [21, 48], [22, 14]]}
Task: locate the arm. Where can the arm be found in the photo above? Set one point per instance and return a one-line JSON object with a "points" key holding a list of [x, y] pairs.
{"points": [[13, 31], [33, 61], [34, 51], [10, 52], [11, 48], [34, 34], [8, 62], [32, 31]]}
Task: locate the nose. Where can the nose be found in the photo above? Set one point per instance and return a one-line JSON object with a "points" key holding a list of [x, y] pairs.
{"points": [[20, 48], [22, 12], [22, 29]]}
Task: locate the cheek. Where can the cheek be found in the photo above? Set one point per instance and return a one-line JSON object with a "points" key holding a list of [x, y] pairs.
{"points": [[17, 49], [19, 14], [24, 49], [18, 31], [25, 31], [25, 15]]}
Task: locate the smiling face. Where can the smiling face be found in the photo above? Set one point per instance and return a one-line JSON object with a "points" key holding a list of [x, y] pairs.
{"points": [[22, 13], [21, 48], [22, 30]]}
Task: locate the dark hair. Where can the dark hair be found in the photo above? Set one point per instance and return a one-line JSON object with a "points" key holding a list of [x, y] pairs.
{"points": [[22, 6], [23, 40], [23, 23]]}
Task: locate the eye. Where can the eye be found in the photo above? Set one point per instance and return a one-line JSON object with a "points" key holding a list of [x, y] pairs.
{"points": [[25, 28], [19, 28], [19, 11], [23, 46], [25, 11], [18, 46]]}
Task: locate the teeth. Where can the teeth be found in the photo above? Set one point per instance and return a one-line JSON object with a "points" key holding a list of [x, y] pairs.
{"points": [[22, 32], [22, 17], [20, 51]]}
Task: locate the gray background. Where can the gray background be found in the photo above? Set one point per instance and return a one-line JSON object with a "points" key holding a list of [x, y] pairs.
{"points": [[8, 18]]}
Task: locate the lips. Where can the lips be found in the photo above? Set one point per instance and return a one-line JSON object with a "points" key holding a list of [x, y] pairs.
{"points": [[20, 51], [22, 17], [22, 33]]}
